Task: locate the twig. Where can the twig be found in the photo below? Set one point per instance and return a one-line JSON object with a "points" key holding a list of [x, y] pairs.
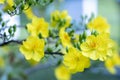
{"points": [[20, 42], [11, 41], [52, 53]]}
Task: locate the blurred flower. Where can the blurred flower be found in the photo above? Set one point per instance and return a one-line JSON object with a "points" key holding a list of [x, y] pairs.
{"points": [[97, 47], [60, 19], [62, 73], [75, 61], [76, 36], [2, 63], [113, 62], [2, 1], [38, 26], [65, 38], [99, 24], [33, 48], [10, 2], [28, 12], [9, 5]]}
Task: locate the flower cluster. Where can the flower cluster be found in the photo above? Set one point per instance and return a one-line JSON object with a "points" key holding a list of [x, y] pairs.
{"points": [[33, 47], [60, 19], [78, 49]]}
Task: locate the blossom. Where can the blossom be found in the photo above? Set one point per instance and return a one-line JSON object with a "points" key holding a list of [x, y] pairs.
{"points": [[2, 1], [97, 47], [29, 13], [76, 37], [99, 24], [65, 38], [33, 48], [61, 19], [75, 61], [62, 73], [2, 62], [113, 62], [38, 26], [10, 2], [9, 5]]}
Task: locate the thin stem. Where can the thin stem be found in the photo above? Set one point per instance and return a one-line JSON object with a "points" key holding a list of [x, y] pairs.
{"points": [[11, 41]]}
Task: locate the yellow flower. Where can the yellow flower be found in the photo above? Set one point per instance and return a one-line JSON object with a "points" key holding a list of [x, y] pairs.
{"points": [[64, 37], [29, 13], [99, 24], [10, 2], [38, 26], [75, 61], [113, 62], [33, 48], [76, 36], [2, 62], [9, 5], [2, 1], [97, 47], [62, 73], [60, 19]]}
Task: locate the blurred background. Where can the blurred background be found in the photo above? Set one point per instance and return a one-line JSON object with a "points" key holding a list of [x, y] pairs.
{"points": [[109, 9]]}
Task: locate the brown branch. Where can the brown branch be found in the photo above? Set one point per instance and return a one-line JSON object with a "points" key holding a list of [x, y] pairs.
{"points": [[11, 41], [52, 53], [20, 42], [38, 67]]}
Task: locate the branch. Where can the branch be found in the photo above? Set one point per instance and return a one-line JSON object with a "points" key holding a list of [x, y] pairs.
{"points": [[52, 53], [11, 41], [20, 42]]}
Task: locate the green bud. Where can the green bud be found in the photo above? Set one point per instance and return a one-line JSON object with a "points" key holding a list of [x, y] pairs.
{"points": [[71, 33], [0, 14], [95, 33], [22, 7], [14, 28], [0, 19], [74, 44], [14, 7], [10, 30], [49, 49], [3, 24], [50, 33], [78, 45], [57, 44], [40, 36], [84, 35], [4, 34], [66, 49], [51, 1], [59, 62], [80, 38]]}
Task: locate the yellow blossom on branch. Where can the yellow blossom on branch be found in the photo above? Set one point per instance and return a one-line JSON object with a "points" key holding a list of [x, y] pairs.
{"points": [[97, 47], [99, 24], [29, 13], [38, 26], [2, 62], [75, 61], [113, 62], [65, 38], [60, 19], [8, 5], [33, 48], [10, 2], [2, 1], [62, 73]]}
